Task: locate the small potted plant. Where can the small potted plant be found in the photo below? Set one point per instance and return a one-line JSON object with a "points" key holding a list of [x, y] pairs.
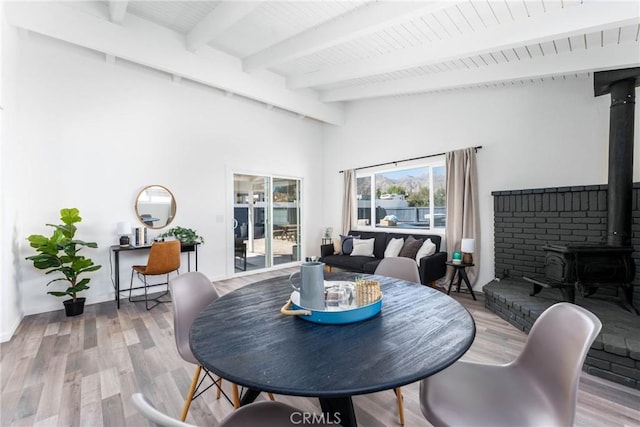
{"points": [[185, 235], [59, 253]]}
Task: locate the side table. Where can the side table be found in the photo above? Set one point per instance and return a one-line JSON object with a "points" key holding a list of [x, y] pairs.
{"points": [[460, 270]]}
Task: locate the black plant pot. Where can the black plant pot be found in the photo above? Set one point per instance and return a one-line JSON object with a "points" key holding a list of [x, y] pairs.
{"points": [[74, 308]]}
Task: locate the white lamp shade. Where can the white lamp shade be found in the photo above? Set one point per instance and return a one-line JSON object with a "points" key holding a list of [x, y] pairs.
{"points": [[124, 228], [468, 246]]}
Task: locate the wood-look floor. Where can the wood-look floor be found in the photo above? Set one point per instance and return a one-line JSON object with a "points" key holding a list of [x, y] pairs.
{"points": [[82, 371]]}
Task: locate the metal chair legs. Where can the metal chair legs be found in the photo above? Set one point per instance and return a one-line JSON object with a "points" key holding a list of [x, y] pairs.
{"points": [[196, 382], [146, 288], [236, 403]]}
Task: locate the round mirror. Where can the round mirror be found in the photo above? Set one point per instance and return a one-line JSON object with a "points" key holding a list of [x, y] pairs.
{"points": [[155, 206]]}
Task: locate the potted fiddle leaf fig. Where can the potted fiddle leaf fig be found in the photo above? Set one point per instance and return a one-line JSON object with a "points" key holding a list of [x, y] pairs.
{"points": [[59, 254], [185, 235]]}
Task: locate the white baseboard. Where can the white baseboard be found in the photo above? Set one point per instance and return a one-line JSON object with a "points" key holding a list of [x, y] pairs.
{"points": [[7, 335], [45, 308], [56, 303]]}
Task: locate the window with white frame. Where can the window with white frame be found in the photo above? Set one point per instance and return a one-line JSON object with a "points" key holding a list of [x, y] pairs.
{"points": [[411, 197]]}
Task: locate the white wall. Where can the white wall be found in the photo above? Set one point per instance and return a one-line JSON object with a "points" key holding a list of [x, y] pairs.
{"points": [[540, 135], [9, 310], [90, 135]]}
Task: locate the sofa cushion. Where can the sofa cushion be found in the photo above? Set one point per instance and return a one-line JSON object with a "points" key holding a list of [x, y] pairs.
{"points": [[370, 267], [362, 247], [346, 246], [351, 263], [427, 248], [394, 247], [410, 247], [434, 238], [380, 243], [337, 245]]}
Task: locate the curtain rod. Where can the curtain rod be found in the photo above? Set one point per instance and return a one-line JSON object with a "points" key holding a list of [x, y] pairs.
{"points": [[406, 160]]}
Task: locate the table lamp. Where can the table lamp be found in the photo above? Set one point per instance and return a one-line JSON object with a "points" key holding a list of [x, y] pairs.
{"points": [[123, 230], [467, 247]]}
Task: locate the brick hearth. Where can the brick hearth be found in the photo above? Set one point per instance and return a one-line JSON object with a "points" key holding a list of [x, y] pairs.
{"points": [[615, 355], [527, 220]]}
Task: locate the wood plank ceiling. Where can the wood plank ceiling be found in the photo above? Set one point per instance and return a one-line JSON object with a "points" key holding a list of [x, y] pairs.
{"points": [[309, 57]]}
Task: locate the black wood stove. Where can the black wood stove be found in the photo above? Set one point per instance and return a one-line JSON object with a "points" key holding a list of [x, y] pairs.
{"points": [[585, 267]]}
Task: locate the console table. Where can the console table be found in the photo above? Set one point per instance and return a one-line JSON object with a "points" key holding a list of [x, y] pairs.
{"points": [[116, 250]]}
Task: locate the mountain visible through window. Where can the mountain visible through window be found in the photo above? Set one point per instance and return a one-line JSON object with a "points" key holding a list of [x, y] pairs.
{"points": [[403, 198]]}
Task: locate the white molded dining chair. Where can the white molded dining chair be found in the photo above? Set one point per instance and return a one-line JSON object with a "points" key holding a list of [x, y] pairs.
{"points": [[399, 268], [191, 293], [539, 388], [152, 414], [270, 414], [263, 414], [404, 269]]}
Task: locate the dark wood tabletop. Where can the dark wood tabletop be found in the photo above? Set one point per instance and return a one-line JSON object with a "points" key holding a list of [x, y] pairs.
{"points": [[243, 337]]}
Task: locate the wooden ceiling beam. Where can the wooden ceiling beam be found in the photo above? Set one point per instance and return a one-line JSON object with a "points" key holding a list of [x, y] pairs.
{"points": [[354, 24], [220, 19], [577, 62], [117, 10], [151, 45], [574, 20]]}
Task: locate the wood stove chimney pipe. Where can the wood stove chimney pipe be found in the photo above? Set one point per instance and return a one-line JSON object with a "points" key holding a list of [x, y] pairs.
{"points": [[621, 84]]}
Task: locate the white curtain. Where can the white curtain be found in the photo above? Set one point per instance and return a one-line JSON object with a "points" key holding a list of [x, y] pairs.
{"points": [[349, 201], [463, 218]]}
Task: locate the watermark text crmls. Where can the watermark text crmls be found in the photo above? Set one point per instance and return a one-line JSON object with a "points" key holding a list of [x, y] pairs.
{"points": [[311, 418]]}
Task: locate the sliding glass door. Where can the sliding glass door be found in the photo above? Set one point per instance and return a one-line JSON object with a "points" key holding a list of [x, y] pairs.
{"points": [[286, 220], [266, 222]]}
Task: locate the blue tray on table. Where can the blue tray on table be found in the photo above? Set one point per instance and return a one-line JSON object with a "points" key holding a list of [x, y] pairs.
{"points": [[331, 315]]}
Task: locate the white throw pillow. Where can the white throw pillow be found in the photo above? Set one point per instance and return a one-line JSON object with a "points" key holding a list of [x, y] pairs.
{"points": [[337, 245], [394, 247], [428, 248], [362, 247]]}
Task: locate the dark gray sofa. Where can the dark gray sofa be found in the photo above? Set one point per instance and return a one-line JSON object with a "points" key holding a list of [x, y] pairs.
{"points": [[431, 267]]}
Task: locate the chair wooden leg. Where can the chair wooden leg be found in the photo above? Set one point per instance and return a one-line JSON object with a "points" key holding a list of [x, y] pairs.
{"points": [[192, 390], [433, 284], [271, 396], [400, 405], [236, 396], [219, 381]]}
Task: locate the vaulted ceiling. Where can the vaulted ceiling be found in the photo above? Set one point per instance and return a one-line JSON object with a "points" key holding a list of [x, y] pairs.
{"points": [[309, 57]]}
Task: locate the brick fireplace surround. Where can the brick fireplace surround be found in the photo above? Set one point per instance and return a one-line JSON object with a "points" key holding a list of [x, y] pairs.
{"points": [[527, 220]]}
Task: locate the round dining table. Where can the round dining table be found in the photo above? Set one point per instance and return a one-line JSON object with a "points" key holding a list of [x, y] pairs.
{"points": [[243, 337]]}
